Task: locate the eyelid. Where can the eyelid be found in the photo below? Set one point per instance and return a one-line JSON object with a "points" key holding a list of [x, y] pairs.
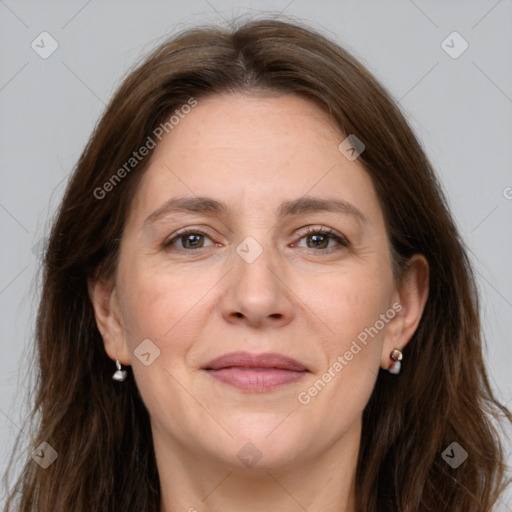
{"points": [[183, 232], [341, 239]]}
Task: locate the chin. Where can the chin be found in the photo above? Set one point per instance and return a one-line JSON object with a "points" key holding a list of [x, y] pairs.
{"points": [[265, 444], [261, 455]]}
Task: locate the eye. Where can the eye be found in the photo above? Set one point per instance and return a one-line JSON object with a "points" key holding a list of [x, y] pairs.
{"points": [[190, 239], [319, 238]]}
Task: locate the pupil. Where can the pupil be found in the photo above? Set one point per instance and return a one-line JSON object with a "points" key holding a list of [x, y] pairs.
{"points": [[317, 238], [190, 239]]}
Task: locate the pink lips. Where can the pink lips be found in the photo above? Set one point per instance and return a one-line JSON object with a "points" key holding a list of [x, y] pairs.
{"points": [[255, 372]]}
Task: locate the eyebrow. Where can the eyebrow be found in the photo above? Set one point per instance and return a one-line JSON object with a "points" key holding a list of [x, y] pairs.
{"points": [[209, 206]]}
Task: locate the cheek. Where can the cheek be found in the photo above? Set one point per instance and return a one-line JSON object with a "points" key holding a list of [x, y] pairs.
{"points": [[156, 302], [348, 303], [352, 307], [166, 310], [334, 398]]}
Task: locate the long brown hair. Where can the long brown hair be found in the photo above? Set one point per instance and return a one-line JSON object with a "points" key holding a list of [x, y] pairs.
{"points": [[101, 431]]}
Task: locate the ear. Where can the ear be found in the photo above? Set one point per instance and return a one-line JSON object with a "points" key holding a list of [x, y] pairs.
{"points": [[108, 319], [411, 296]]}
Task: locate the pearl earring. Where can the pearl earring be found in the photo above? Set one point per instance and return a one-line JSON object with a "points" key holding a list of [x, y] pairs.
{"points": [[120, 374], [396, 365]]}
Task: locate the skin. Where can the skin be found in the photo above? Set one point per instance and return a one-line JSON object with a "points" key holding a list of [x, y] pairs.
{"points": [[304, 300]]}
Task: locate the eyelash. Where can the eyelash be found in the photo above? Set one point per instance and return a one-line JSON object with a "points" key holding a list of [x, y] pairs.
{"points": [[333, 235], [329, 233]]}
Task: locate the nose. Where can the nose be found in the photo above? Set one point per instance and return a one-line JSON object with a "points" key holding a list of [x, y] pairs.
{"points": [[258, 294]]}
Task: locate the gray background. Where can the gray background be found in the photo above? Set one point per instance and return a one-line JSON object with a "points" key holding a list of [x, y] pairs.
{"points": [[460, 108]]}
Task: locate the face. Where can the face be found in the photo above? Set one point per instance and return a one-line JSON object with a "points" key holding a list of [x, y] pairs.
{"points": [[284, 273]]}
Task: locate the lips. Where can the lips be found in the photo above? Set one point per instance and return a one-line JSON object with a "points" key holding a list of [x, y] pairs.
{"points": [[255, 372]]}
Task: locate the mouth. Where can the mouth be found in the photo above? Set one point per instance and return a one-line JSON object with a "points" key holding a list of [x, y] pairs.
{"points": [[255, 372]]}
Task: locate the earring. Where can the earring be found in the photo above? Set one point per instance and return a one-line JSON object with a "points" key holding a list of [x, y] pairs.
{"points": [[120, 374], [396, 357]]}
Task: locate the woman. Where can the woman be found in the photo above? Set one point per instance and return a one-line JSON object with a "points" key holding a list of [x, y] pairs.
{"points": [[255, 247]]}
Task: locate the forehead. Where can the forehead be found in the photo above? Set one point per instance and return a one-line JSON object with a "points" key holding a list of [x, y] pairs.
{"points": [[253, 150], [244, 124]]}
